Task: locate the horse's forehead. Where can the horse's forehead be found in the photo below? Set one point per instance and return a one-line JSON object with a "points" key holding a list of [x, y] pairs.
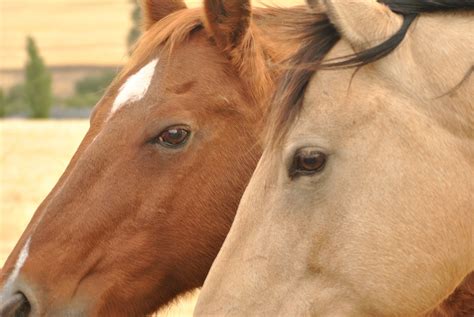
{"points": [[332, 111], [329, 97], [135, 86]]}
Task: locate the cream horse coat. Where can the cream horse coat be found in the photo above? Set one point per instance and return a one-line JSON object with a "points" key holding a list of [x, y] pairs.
{"points": [[386, 228]]}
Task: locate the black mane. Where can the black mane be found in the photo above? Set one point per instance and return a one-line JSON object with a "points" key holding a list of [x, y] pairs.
{"points": [[320, 37]]}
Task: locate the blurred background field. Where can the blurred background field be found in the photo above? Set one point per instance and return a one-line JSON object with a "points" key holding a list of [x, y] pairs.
{"points": [[83, 43]]}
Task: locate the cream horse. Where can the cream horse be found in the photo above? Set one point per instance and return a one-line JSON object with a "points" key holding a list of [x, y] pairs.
{"points": [[363, 201]]}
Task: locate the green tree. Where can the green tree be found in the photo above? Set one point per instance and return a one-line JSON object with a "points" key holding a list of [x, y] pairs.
{"points": [[95, 84], [90, 89], [3, 103], [135, 31], [38, 92], [15, 100]]}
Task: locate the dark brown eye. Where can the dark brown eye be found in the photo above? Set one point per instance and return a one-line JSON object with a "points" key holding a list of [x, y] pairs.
{"points": [[307, 162], [174, 136]]}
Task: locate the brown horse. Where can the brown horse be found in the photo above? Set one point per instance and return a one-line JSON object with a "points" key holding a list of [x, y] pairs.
{"points": [[143, 207]]}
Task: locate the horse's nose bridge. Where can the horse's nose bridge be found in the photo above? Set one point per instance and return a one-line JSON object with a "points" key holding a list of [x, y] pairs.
{"points": [[102, 158], [66, 218], [84, 206], [81, 181]]}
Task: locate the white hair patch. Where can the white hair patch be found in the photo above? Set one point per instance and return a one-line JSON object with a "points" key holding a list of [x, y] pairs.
{"points": [[136, 86], [7, 290]]}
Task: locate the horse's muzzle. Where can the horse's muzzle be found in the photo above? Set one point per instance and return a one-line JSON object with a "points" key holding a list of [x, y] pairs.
{"points": [[15, 306]]}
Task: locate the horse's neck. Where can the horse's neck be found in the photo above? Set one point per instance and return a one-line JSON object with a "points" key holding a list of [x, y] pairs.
{"points": [[460, 303]]}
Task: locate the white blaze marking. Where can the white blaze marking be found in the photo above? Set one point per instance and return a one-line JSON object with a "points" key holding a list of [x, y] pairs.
{"points": [[136, 86], [7, 291]]}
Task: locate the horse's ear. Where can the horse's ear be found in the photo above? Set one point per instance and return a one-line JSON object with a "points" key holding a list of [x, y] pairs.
{"points": [[227, 21], [362, 22], [155, 10]]}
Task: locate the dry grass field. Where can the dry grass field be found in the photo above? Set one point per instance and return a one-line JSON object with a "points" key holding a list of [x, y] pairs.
{"points": [[72, 32], [74, 36], [33, 154]]}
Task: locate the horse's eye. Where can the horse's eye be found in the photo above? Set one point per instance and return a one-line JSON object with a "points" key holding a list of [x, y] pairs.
{"points": [[174, 137], [308, 162]]}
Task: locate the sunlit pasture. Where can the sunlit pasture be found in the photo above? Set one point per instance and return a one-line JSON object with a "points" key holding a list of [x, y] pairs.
{"points": [[33, 154], [74, 32]]}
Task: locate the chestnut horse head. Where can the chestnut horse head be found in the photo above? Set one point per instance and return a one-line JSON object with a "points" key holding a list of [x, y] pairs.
{"points": [[362, 202], [143, 207]]}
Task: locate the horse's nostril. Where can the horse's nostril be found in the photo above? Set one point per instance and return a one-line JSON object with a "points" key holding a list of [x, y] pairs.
{"points": [[24, 308], [16, 306]]}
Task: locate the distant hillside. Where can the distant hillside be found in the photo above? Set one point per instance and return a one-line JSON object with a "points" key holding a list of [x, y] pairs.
{"points": [[71, 32]]}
